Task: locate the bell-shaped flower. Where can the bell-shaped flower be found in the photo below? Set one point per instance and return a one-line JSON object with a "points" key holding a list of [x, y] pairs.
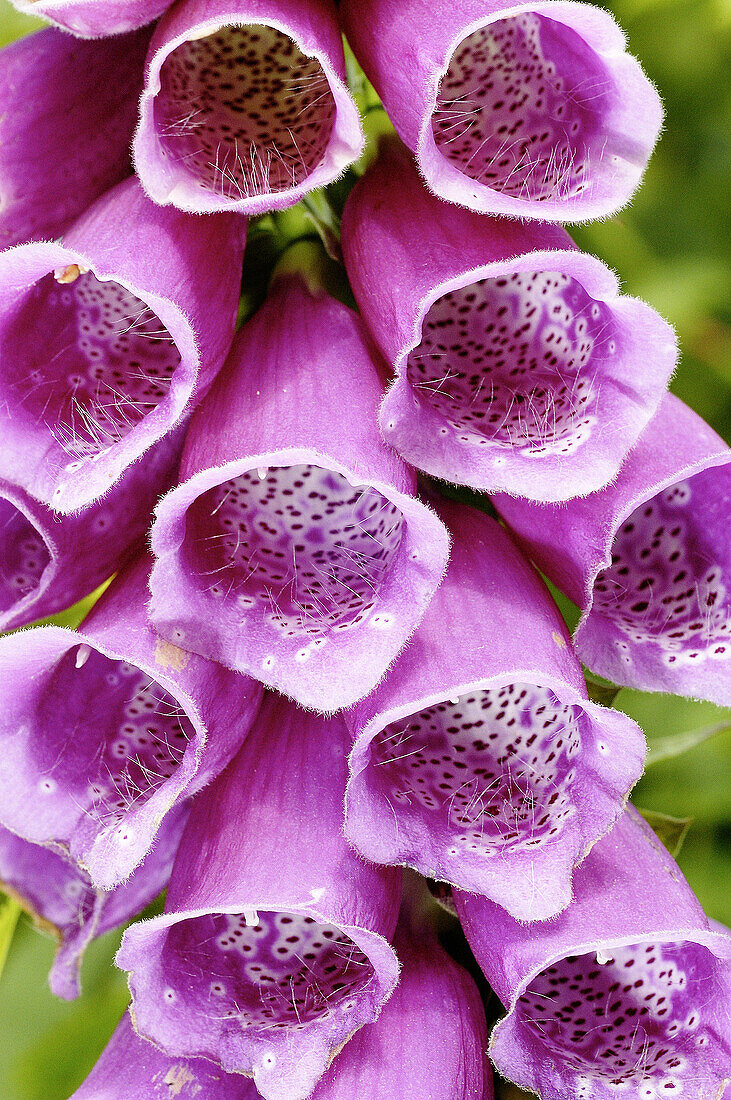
{"points": [[293, 549], [648, 560], [105, 730], [515, 355], [626, 993], [245, 105], [531, 109], [107, 339], [479, 760], [95, 18], [69, 111], [63, 902], [273, 949]]}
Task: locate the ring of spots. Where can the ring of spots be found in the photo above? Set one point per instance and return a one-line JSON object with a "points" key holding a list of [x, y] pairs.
{"points": [[23, 556], [288, 971], [99, 360], [664, 587], [494, 768], [107, 734], [515, 362], [520, 109], [633, 1024], [244, 111], [299, 544]]}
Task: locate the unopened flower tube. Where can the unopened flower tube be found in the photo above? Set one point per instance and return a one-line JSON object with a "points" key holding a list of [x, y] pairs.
{"points": [[245, 105], [625, 993], [108, 338], [106, 729], [479, 760], [648, 560], [65, 127], [63, 902], [531, 109], [515, 355], [293, 548], [273, 947]]}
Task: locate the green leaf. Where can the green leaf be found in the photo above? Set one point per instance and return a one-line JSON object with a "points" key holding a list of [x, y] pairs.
{"points": [[675, 744], [9, 913], [601, 691], [670, 830]]}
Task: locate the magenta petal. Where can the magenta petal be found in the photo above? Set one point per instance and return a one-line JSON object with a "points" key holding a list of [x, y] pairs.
{"points": [[95, 18], [245, 105], [65, 127], [293, 550], [648, 560], [273, 948], [108, 338], [105, 730], [625, 993], [515, 355], [63, 901], [479, 760], [531, 109]]}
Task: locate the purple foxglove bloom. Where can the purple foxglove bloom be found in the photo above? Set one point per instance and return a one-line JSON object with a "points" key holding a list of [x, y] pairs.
{"points": [[626, 993], [273, 948], [293, 549], [49, 561], [106, 729], [515, 355], [245, 105], [530, 109], [62, 900], [69, 110], [648, 560], [479, 760], [95, 18], [395, 1058], [108, 338]]}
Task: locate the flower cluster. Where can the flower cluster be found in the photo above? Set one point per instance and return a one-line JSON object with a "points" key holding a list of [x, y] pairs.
{"points": [[316, 665]]}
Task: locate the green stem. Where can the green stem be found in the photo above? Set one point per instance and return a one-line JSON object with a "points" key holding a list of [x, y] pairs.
{"points": [[10, 911]]}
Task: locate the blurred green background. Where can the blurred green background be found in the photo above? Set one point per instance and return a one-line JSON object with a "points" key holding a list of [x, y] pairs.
{"points": [[671, 247]]}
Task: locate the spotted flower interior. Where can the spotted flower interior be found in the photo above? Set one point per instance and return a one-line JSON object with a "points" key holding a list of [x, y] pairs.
{"points": [[669, 584], [23, 556], [85, 361], [635, 1022], [297, 547], [253, 974], [244, 112], [520, 109], [515, 362]]}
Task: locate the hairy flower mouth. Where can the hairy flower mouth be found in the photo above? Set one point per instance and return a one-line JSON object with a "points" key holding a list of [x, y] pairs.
{"points": [[520, 106], [244, 112], [24, 556]]}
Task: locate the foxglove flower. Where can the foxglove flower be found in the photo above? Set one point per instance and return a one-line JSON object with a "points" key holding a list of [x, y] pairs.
{"points": [[49, 561], [626, 993], [106, 729], [395, 1058], [515, 355], [648, 560], [479, 760], [293, 549], [245, 105], [65, 127], [527, 109], [273, 948], [95, 18], [108, 338], [62, 900]]}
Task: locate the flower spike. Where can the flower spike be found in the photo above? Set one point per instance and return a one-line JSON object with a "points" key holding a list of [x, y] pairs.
{"points": [[62, 900], [105, 730], [531, 109], [245, 105], [648, 560], [108, 338], [65, 127], [293, 549], [625, 993], [515, 355], [273, 948], [479, 760]]}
